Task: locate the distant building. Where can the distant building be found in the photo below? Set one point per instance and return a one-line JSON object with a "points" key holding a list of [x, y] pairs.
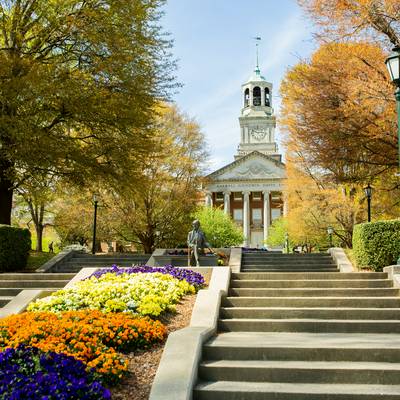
{"points": [[250, 188]]}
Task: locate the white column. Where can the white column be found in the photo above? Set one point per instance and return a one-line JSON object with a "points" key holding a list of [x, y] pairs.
{"points": [[267, 213], [209, 201], [262, 96], [285, 207], [227, 203], [246, 218]]}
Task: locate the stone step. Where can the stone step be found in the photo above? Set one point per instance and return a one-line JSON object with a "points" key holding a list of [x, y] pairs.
{"points": [[111, 256], [310, 313], [309, 325], [10, 291], [4, 300], [288, 266], [310, 292], [104, 262], [324, 283], [358, 302], [234, 390], [290, 270], [285, 255], [309, 275], [375, 373], [288, 262], [37, 284], [35, 276], [305, 346]]}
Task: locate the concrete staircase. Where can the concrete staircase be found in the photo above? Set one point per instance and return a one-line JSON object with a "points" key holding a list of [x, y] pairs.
{"points": [[312, 334], [12, 284], [278, 262], [81, 260]]}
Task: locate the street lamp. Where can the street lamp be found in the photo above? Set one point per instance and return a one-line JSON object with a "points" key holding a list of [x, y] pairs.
{"points": [[393, 66], [368, 193], [330, 233], [95, 203]]}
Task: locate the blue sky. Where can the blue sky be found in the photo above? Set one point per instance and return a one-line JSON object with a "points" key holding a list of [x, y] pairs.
{"points": [[216, 54]]}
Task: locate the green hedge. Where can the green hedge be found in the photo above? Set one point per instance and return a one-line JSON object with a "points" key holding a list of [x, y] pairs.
{"points": [[15, 244], [376, 244]]}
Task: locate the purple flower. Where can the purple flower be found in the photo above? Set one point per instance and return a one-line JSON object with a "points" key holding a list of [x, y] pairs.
{"points": [[194, 278], [30, 374]]}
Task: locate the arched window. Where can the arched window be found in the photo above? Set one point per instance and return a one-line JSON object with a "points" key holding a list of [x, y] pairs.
{"points": [[247, 97], [257, 96], [267, 102]]}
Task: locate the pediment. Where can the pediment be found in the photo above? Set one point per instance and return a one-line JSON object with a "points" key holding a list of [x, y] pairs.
{"points": [[254, 166]]}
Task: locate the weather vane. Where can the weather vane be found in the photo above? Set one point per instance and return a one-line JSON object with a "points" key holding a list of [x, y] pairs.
{"points": [[258, 40]]}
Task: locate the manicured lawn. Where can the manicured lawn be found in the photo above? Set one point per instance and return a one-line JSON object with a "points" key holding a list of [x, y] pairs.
{"points": [[37, 259]]}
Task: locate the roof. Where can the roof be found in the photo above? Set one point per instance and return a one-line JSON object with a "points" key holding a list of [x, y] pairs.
{"points": [[256, 76], [244, 158]]}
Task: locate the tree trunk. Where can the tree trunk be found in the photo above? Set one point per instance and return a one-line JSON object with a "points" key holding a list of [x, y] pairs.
{"points": [[6, 195], [148, 245], [39, 237]]}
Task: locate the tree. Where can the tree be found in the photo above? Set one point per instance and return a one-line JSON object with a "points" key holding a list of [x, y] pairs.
{"points": [[277, 232], [155, 212], [79, 80], [219, 228], [339, 19], [38, 196], [73, 219], [339, 114]]}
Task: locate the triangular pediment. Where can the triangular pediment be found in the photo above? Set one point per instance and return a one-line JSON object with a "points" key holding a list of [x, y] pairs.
{"points": [[254, 166]]}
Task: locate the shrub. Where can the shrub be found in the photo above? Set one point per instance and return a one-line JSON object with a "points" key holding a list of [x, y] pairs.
{"points": [[219, 228], [377, 244], [145, 294], [30, 374], [90, 336], [15, 244]]}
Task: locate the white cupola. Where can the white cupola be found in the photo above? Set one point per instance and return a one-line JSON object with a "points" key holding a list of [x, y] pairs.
{"points": [[257, 120]]}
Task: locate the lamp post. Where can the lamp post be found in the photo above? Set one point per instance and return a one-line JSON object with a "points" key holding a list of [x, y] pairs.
{"points": [[330, 233], [393, 66], [95, 203], [368, 193]]}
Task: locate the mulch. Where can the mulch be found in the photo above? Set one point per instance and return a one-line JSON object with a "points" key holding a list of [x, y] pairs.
{"points": [[143, 364]]}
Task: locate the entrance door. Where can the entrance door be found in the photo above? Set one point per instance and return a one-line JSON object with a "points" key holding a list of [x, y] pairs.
{"points": [[257, 239]]}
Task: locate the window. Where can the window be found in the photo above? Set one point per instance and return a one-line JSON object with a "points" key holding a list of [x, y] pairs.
{"points": [[219, 196], [275, 213], [257, 96], [267, 102], [238, 214], [247, 97], [257, 215], [257, 196], [237, 196]]}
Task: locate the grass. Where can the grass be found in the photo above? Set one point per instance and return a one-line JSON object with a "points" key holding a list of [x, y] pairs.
{"points": [[37, 259], [50, 235]]}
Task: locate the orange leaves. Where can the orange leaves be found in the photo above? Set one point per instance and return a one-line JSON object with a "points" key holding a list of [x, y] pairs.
{"points": [[90, 336]]}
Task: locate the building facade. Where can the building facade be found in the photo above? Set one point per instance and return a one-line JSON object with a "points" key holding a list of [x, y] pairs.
{"points": [[250, 188]]}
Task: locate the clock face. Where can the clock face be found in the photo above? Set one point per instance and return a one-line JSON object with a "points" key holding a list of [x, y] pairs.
{"points": [[258, 133]]}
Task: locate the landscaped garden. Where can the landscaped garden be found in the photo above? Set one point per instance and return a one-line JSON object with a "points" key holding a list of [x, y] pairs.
{"points": [[79, 342]]}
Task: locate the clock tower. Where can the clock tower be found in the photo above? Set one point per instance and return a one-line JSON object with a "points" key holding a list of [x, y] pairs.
{"points": [[257, 120]]}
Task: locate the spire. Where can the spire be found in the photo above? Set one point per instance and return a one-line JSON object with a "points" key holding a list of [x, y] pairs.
{"points": [[258, 40]]}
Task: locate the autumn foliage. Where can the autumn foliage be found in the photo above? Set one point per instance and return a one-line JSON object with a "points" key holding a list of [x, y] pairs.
{"points": [[340, 122]]}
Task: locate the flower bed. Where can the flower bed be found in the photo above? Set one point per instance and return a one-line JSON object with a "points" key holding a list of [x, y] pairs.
{"points": [[194, 278], [90, 324], [31, 374], [124, 290], [92, 337]]}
